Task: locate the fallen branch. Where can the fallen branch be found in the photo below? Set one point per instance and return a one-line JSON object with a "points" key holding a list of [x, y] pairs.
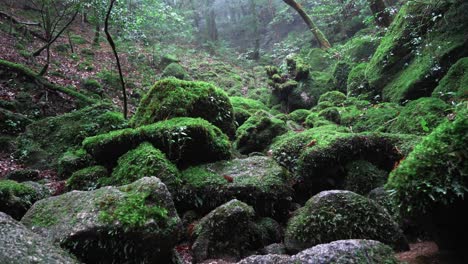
{"points": [[22, 25]]}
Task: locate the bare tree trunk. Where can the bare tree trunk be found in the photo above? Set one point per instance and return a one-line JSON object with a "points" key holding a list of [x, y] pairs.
{"points": [[381, 15], [322, 40], [70, 42], [253, 9], [112, 44], [97, 34]]}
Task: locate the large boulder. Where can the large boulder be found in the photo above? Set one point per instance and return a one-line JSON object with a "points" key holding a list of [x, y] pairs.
{"points": [[20, 245], [336, 215], [258, 181], [175, 70], [431, 183], [46, 140], [185, 141], [352, 251], [132, 223], [16, 198], [227, 231], [141, 162], [258, 132], [171, 98], [418, 49], [245, 108]]}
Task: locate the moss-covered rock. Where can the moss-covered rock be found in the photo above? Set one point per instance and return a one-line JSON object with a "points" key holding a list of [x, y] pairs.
{"points": [[340, 76], [46, 140], [348, 251], [438, 196], [420, 116], [363, 176], [87, 179], [141, 162], [336, 215], [176, 98], [296, 67], [454, 86], [23, 175], [73, 160], [299, 116], [21, 245], [16, 198], [418, 49], [185, 141], [245, 108], [132, 223], [360, 48], [336, 98], [258, 181], [175, 70], [257, 133], [331, 114], [307, 92], [229, 230], [377, 118]]}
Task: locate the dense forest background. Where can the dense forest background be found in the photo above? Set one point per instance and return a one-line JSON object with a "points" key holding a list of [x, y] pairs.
{"points": [[233, 131]]}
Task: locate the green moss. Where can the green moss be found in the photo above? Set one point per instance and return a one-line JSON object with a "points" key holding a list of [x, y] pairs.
{"points": [[337, 215], [87, 179], [417, 49], [93, 86], [175, 70], [299, 116], [454, 86], [440, 159], [360, 48], [176, 98], [247, 103], [46, 140], [363, 176], [340, 76], [358, 85], [258, 132], [132, 210], [73, 160], [317, 59], [420, 116], [12, 123], [377, 118], [335, 97], [330, 114], [10, 188], [298, 69], [16, 198], [141, 162], [181, 139]]}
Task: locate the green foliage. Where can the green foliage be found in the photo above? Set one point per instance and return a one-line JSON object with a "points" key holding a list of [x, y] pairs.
{"points": [[93, 86], [144, 161], [378, 118], [181, 139], [358, 85], [441, 159], [335, 97], [299, 116], [363, 176], [176, 98]]}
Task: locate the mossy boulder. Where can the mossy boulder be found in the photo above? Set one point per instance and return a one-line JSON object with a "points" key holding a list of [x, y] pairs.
{"points": [[336, 98], [363, 176], [296, 67], [420, 116], [185, 141], [454, 86], [171, 98], [228, 230], [87, 179], [16, 198], [132, 223], [23, 175], [418, 49], [321, 164], [299, 116], [307, 93], [73, 160], [347, 252], [438, 196], [257, 133], [245, 108], [141, 162], [331, 114], [175, 70], [21, 245], [376, 118], [46, 140], [340, 76], [337, 215], [360, 48], [258, 181]]}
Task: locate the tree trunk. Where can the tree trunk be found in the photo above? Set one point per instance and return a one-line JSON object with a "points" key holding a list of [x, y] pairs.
{"points": [[97, 34], [112, 44], [253, 9], [322, 40], [381, 15]]}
